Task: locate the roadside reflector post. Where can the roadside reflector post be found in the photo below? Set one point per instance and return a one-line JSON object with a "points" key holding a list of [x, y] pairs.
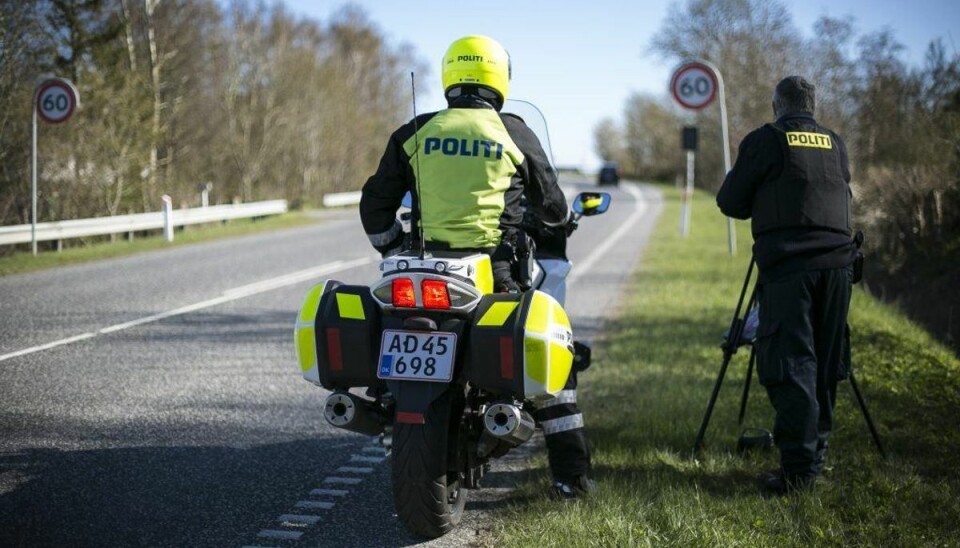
{"points": [[167, 217], [689, 138]]}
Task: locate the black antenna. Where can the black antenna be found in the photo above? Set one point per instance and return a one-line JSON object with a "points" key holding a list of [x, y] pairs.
{"points": [[416, 139]]}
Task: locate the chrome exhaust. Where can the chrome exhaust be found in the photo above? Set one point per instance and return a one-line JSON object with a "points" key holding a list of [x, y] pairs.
{"points": [[349, 412], [508, 423]]}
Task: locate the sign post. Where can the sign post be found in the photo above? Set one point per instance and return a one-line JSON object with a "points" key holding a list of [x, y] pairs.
{"points": [[695, 85], [54, 101]]}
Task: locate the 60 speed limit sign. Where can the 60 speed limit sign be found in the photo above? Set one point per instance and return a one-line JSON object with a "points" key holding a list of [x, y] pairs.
{"points": [[56, 100], [694, 85]]}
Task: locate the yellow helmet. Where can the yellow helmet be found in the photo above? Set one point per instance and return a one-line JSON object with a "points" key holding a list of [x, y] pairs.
{"points": [[477, 60]]}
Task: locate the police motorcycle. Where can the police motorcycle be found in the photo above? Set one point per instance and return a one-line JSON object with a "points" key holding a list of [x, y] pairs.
{"points": [[441, 368]]}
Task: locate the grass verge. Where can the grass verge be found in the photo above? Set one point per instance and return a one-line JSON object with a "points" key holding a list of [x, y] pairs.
{"points": [[24, 261], [645, 395]]}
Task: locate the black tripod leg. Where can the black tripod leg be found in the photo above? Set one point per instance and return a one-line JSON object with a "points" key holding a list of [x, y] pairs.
{"points": [[746, 385], [866, 415], [713, 400]]}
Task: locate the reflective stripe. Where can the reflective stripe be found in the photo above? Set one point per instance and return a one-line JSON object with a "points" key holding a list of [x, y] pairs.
{"points": [[565, 396], [385, 238], [555, 426], [350, 306], [497, 314]]}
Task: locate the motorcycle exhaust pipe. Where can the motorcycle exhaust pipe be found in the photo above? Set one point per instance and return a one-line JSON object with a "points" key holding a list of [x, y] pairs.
{"points": [[349, 412], [508, 423]]}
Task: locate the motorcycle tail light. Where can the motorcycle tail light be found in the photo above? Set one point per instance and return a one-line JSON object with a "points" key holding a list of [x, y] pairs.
{"points": [[435, 294], [403, 294]]}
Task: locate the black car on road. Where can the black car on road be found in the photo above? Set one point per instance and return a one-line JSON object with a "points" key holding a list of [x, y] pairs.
{"points": [[609, 174]]}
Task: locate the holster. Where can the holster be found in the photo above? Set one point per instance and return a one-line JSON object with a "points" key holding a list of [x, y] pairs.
{"points": [[517, 250]]}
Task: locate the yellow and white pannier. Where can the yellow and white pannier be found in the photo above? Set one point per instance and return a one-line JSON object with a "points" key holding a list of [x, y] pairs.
{"points": [[521, 345]]}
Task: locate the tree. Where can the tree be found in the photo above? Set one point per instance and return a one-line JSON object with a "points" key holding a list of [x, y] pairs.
{"points": [[608, 141]]}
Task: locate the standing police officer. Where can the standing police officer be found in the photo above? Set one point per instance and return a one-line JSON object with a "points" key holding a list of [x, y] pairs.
{"points": [[475, 166], [792, 178]]}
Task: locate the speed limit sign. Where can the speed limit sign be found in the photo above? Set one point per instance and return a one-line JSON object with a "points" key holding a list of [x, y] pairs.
{"points": [[56, 100], [694, 85]]}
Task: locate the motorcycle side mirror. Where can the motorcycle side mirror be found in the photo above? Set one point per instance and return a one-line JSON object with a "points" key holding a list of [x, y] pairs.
{"points": [[591, 203], [407, 200]]}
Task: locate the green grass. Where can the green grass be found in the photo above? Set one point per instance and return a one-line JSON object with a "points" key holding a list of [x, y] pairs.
{"points": [[24, 261], [645, 395]]}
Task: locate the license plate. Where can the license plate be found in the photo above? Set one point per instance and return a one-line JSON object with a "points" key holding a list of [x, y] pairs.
{"points": [[417, 356]]}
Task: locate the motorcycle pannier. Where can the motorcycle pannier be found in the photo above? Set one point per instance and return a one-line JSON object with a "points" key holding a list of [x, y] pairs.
{"points": [[521, 345], [338, 336]]}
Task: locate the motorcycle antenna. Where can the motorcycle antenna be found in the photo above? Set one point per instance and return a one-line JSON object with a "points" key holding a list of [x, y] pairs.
{"points": [[416, 139]]}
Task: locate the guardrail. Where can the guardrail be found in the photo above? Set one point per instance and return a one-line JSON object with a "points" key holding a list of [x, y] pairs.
{"points": [[119, 224], [341, 199]]}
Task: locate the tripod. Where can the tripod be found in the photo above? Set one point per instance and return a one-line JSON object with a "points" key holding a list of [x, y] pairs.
{"points": [[734, 340]]}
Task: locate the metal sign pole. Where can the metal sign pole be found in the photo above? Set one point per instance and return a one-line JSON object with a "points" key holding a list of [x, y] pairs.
{"points": [[731, 229], [33, 178]]}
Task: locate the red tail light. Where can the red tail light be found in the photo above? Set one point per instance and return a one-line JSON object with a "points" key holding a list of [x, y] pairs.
{"points": [[403, 294], [435, 294]]}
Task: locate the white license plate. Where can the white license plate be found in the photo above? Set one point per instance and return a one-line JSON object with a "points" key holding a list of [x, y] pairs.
{"points": [[417, 356]]}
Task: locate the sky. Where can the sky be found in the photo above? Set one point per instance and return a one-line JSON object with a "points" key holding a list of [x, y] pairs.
{"points": [[580, 61]]}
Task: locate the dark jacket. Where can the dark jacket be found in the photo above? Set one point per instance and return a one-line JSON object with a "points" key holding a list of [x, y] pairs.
{"points": [[794, 246], [531, 175]]}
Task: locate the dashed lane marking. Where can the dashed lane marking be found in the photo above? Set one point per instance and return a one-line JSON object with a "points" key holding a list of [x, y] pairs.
{"points": [[227, 296], [364, 458], [345, 481], [315, 504], [355, 469], [329, 492], [279, 534], [303, 519]]}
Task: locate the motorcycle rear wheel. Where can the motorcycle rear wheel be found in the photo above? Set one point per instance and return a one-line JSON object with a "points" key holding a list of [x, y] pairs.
{"points": [[428, 498]]}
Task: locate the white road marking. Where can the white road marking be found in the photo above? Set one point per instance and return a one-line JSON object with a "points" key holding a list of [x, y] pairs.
{"points": [[345, 481], [364, 458], [315, 504], [54, 344], [355, 469], [639, 208], [228, 295], [329, 492], [279, 534], [302, 519], [378, 450]]}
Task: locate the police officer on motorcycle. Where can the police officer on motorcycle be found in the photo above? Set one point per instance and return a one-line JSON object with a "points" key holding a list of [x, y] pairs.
{"points": [[792, 179], [475, 165]]}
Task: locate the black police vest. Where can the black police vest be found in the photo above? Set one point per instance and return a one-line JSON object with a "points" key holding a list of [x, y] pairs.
{"points": [[810, 191]]}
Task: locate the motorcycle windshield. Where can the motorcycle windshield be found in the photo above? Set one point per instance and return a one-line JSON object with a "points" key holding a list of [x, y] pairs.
{"points": [[534, 120]]}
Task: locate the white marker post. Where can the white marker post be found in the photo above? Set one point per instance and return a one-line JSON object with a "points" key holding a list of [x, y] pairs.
{"points": [[167, 217], [54, 100], [695, 85], [689, 139]]}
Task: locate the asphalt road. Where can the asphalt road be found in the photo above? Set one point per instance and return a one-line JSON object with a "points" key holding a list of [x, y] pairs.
{"points": [[155, 400]]}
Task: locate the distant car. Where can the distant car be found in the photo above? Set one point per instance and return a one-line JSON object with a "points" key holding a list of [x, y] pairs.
{"points": [[609, 174]]}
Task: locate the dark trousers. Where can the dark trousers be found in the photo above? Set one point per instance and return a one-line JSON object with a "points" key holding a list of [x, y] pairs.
{"points": [[801, 354], [562, 424]]}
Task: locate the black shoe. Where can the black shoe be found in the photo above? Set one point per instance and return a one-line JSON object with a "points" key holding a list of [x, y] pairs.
{"points": [[776, 483], [578, 488]]}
